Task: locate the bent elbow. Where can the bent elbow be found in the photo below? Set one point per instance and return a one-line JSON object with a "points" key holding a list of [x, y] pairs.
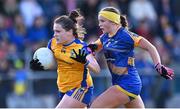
{"points": [[152, 48]]}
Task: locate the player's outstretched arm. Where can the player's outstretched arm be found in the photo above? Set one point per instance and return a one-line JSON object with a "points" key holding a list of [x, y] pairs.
{"points": [[165, 72]]}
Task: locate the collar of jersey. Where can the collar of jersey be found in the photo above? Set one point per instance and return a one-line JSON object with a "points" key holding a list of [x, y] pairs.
{"points": [[116, 32], [69, 43]]}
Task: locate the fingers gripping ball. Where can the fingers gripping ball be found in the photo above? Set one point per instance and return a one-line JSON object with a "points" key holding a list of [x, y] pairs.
{"points": [[36, 65], [45, 57]]}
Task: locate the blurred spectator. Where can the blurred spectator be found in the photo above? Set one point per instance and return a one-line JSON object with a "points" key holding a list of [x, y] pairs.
{"points": [[1, 6], [90, 10], [176, 9], [165, 8], [145, 31], [30, 9], [167, 31], [145, 66], [176, 43], [106, 3], [51, 9], [10, 8], [4, 68], [38, 33], [163, 90], [3, 28], [20, 78], [176, 50], [12, 55], [4, 44], [163, 51], [70, 4], [18, 33], [140, 10], [123, 5], [4, 84], [19, 93], [3, 48]]}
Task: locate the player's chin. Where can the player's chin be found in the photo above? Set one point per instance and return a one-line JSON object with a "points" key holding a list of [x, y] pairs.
{"points": [[58, 41], [104, 31]]}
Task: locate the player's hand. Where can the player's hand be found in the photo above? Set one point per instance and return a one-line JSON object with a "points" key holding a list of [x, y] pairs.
{"points": [[93, 47], [80, 57], [165, 72], [36, 65]]}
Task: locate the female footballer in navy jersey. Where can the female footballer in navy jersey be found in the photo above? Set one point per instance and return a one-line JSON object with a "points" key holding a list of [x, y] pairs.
{"points": [[118, 44]]}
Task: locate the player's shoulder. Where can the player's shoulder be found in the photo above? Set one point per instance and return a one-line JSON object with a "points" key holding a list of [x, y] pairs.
{"points": [[123, 31], [52, 40], [78, 41], [133, 34], [128, 34], [50, 43]]}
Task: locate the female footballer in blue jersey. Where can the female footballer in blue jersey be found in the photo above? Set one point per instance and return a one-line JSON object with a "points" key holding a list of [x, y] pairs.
{"points": [[73, 63], [118, 45]]}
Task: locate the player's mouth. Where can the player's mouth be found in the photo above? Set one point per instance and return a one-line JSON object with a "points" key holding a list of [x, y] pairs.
{"points": [[102, 29]]}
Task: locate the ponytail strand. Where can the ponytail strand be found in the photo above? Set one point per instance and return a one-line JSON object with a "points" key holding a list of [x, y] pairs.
{"points": [[124, 21]]}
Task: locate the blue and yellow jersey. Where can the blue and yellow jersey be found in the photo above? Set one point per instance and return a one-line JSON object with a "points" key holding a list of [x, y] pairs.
{"points": [[71, 74], [119, 51], [119, 48]]}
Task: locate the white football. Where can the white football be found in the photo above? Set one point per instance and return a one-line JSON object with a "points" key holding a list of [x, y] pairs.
{"points": [[45, 56]]}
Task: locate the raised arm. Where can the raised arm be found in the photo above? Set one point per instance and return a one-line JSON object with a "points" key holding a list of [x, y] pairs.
{"points": [[145, 44]]}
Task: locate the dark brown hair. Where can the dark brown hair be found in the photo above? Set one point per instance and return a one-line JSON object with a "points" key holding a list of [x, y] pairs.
{"points": [[69, 22], [123, 19], [74, 14]]}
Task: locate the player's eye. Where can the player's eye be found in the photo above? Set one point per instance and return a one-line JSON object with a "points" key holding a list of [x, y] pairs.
{"points": [[101, 21]]}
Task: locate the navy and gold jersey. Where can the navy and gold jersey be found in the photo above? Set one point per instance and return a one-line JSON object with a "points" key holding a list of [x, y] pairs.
{"points": [[119, 51], [71, 74], [120, 47]]}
